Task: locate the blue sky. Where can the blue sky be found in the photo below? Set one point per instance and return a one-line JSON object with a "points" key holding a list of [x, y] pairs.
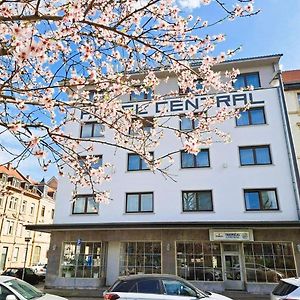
{"points": [[276, 29]]}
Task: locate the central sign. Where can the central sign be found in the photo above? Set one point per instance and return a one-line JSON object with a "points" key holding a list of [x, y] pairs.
{"points": [[231, 235]]}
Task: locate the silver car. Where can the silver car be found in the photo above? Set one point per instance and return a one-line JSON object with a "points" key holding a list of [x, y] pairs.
{"points": [[15, 289], [287, 288], [157, 287]]}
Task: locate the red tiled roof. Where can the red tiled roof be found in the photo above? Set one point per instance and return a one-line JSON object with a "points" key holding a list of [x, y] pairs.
{"points": [[10, 171], [292, 76]]}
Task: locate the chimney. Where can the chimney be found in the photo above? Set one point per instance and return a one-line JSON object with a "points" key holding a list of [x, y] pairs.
{"points": [[9, 166]]}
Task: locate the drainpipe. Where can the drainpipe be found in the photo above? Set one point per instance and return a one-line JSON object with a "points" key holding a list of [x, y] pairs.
{"points": [[289, 143]]}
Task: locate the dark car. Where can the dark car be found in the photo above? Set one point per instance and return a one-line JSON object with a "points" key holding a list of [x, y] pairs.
{"points": [[29, 275]]}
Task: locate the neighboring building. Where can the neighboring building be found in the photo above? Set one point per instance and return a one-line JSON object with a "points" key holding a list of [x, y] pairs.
{"points": [[291, 80], [22, 205], [231, 221]]}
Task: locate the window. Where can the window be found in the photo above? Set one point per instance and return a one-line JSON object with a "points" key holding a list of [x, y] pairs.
{"points": [[85, 204], [200, 160], [36, 254], [43, 211], [141, 96], [199, 260], [24, 205], [86, 260], [197, 201], [149, 286], [145, 124], [32, 208], [269, 261], [8, 227], [20, 229], [247, 80], [252, 116], [15, 254], [91, 129], [177, 288], [135, 162], [198, 86], [139, 202], [187, 124], [52, 213], [298, 97], [255, 155], [1, 201], [140, 257], [261, 199], [92, 163], [13, 203]]}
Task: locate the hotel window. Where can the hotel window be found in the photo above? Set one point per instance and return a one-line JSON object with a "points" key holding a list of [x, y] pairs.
{"points": [[136, 163], [187, 124], [263, 199], [252, 116], [141, 96], [140, 258], [255, 155], [247, 80], [85, 204], [139, 202], [86, 260], [201, 160], [96, 164], [146, 126], [199, 261], [197, 201], [269, 261], [92, 129], [198, 86]]}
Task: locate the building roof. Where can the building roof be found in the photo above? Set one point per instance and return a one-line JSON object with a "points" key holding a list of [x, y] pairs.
{"points": [[10, 171], [291, 76]]}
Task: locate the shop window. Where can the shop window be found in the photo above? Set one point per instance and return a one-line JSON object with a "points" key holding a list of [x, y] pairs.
{"points": [[201, 160], [199, 261], [139, 202], [85, 204], [136, 163], [141, 95], [247, 80], [252, 116], [269, 262], [255, 155], [91, 129], [187, 124], [140, 258], [197, 201], [84, 260], [261, 199]]}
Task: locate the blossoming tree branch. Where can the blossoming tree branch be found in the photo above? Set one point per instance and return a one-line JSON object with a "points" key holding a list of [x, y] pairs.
{"points": [[64, 59]]}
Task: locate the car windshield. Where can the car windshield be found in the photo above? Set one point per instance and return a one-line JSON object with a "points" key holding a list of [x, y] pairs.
{"points": [[26, 290]]}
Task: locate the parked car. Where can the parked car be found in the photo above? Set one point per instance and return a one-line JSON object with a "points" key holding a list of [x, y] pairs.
{"points": [[258, 272], [162, 287], [287, 288], [16, 289], [39, 269], [29, 275]]}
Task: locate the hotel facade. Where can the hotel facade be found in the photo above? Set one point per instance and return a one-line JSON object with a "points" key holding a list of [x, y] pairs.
{"points": [[229, 221]]}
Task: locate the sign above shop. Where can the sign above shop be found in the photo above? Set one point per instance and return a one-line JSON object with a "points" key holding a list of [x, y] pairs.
{"points": [[231, 235]]}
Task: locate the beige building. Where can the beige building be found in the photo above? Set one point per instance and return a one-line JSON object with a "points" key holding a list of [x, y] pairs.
{"points": [[291, 81], [25, 202]]}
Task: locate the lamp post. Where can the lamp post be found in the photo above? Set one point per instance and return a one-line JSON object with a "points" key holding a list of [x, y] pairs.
{"points": [[27, 240]]}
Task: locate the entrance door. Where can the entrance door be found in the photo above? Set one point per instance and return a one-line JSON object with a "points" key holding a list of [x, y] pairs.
{"points": [[3, 258], [233, 274]]}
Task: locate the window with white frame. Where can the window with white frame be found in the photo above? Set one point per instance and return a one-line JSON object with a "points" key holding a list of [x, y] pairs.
{"points": [[140, 258], [19, 229], [32, 208], [86, 260], [198, 260], [13, 203], [15, 254], [8, 227], [24, 206]]}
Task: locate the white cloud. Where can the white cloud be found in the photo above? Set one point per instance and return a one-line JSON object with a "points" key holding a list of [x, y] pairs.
{"points": [[190, 4]]}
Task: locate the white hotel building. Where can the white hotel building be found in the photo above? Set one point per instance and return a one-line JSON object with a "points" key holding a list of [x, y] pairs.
{"points": [[231, 221]]}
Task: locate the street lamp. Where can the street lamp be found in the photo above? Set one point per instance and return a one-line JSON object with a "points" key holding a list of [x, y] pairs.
{"points": [[27, 240]]}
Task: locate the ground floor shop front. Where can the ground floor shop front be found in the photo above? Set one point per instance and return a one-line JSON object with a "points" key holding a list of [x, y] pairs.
{"points": [[214, 258]]}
